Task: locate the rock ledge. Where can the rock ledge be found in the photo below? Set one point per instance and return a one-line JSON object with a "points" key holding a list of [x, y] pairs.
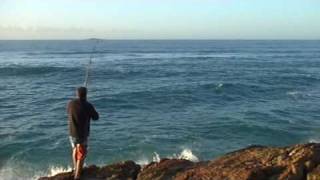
{"points": [[298, 162]]}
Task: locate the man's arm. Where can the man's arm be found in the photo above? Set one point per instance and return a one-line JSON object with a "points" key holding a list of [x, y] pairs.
{"points": [[68, 107], [94, 114]]}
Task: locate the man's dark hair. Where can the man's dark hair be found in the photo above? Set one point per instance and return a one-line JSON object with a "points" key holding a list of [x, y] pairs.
{"points": [[82, 92]]}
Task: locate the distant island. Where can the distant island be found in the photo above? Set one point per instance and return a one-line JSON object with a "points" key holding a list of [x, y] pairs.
{"points": [[94, 39]]}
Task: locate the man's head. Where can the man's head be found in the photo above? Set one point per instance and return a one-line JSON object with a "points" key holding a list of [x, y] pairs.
{"points": [[82, 93]]}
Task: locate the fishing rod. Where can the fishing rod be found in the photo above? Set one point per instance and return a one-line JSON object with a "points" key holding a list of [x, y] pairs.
{"points": [[86, 80]]}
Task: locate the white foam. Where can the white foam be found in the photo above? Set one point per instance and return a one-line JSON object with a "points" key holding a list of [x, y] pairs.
{"points": [[25, 171], [58, 169], [188, 155], [185, 154], [6, 173], [219, 85], [292, 93], [156, 157], [314, 140], [143, 161], [14, 173]]}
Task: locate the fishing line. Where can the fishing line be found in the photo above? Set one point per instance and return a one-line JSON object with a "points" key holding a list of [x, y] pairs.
{"points": [[86, 80]]}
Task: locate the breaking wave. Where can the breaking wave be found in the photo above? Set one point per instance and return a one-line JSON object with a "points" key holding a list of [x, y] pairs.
{"points": [[186, 154], [26, 171]]}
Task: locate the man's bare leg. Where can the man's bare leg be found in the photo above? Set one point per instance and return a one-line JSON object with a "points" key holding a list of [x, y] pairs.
{"points": [[79, 166], [74, 160], [79, 169]]}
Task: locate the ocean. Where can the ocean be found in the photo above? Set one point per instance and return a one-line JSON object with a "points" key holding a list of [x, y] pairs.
{"points": [[193, 99]]}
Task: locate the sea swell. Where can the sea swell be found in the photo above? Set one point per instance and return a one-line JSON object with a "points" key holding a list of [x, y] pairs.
{"points": [[22, 70], [155, 99]]}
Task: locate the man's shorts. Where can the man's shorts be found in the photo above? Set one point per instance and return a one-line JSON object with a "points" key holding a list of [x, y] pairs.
{"points": [[74, 141]]}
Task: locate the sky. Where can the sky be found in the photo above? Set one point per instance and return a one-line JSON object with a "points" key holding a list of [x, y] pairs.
{"points": [[160, 19]]}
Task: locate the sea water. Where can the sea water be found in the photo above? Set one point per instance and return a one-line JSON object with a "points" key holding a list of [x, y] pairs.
{"points": [[179, 99]]}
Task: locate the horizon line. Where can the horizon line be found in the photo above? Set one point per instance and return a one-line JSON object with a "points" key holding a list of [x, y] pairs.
{"points": [[164, 39]]}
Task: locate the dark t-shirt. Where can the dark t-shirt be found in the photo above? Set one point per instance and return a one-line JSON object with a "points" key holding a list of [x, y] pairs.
{"points": [[79, 114]]}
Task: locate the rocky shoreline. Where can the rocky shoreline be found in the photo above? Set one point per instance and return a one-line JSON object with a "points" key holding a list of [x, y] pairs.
{"points": [[296, 162]]}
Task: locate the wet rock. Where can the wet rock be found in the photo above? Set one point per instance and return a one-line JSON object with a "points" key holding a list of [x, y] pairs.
{"points": [[127, 170], [298, 162], [259, 163], [165, 169]]}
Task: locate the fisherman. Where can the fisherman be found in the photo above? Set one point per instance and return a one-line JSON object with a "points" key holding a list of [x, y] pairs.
{"points": [[80, 112]]}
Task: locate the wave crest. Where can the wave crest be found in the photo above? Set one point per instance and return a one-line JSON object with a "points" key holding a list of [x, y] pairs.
{"points": [[186, 154], [54, 170]]}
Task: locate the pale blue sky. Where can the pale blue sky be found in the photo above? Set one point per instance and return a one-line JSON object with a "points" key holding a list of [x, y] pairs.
{"points": [[160, 19]]}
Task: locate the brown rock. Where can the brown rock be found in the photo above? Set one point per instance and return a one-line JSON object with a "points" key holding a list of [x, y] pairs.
{"points": [[121, 171], [298, 162], [165, 169], [314, 174]]}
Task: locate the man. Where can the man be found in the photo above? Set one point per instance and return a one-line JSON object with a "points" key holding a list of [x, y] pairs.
{"points": [[80, 112]]}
